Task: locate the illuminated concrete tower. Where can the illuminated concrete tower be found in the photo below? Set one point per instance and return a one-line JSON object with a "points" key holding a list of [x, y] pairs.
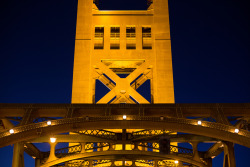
{"points": [[123, 42]]}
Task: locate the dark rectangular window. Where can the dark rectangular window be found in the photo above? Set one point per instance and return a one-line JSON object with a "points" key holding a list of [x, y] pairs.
{"points": [[146, 38], [130, 38], [115, 38], [99, 38]]}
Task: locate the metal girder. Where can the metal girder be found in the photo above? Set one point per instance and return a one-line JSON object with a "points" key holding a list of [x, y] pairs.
{"points": [[134, 155], [32, 150], [99, 133], [147, 133], [73, 138], [209, 129], [214, 150], [188, 110]]}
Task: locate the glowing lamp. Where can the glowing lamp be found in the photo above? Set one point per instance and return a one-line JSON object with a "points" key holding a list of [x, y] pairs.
{"points": [[236, 130], [11, 131], [52, 140], [48, 122], [124, 117], [176, 162], [199, 122]]}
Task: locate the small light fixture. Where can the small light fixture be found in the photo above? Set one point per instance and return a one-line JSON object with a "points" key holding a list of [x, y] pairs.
{"points": [[162, 118], [124, 117], [213, 157], [48, 122], [52, 140], [199, 122], [236, 130], [176, 162], [11, 131]]}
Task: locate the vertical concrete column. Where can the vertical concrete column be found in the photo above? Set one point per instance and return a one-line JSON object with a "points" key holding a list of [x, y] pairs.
{"points": [[196, 156], [52, 155], [138, 31], [123, 37], [37, 162], [229, 157], [83, 147], [106, 38], [18, 158]]}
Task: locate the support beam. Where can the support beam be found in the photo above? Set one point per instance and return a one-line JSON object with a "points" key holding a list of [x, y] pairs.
{"points": [[52, 155], [214, 150], [229, 157], [188, 110], [196, 156], [18, 156], [32, 150]]}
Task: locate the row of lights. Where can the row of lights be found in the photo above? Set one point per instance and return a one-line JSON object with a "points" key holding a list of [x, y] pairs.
{"points": [[53, 140], [235, 130]]}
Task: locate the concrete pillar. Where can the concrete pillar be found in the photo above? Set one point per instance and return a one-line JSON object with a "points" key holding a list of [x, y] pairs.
{"points": [[18, 157], [52, 155], [196, 156], [138, 32], [229, 157]]}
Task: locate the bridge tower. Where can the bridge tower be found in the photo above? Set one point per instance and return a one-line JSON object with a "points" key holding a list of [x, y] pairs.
{"points": [[123, 50], [135, 44]]}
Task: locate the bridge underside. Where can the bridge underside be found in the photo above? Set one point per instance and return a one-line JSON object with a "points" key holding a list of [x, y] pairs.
{"points": [[124, 135]]}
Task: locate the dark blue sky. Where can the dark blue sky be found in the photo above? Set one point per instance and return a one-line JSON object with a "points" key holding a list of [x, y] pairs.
{"points": [[210, 48]]}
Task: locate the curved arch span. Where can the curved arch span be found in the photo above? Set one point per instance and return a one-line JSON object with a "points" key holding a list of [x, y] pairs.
{"points": [[153, 155], [209, 129]]}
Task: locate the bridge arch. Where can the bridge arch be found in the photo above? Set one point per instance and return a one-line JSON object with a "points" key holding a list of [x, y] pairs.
{"points": [[209, 129], [138, 154]]}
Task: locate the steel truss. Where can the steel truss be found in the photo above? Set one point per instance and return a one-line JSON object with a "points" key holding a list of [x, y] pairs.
{"points": [[96, 146]]}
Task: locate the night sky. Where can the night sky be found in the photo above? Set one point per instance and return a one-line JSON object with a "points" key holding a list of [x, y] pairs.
{"points": [[210, 49]]}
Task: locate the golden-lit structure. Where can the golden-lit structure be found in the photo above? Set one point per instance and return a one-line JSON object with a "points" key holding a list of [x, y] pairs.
{"points": [[136, 44], [117, 131], [123, 42]]}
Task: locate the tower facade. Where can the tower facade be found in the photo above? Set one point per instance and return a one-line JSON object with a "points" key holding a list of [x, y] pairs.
{"points": [[134, 43]]}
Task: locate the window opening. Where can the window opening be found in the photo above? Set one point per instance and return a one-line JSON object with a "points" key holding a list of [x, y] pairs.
{"points": [[146, 38], [99, 38], [131, 38], [115, 38]]}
